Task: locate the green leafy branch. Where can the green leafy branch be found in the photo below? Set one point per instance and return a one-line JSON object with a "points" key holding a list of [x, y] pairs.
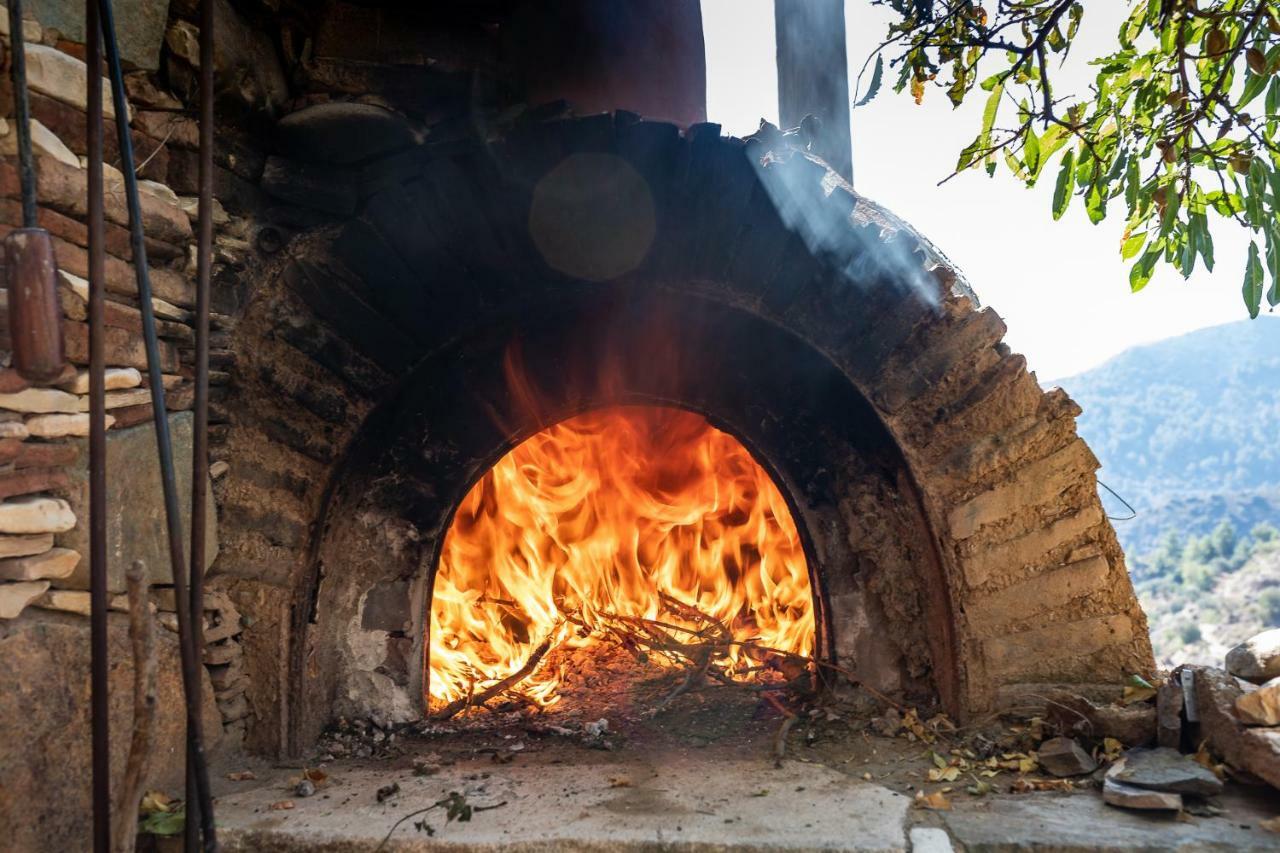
{"points": [[1179, 127]]}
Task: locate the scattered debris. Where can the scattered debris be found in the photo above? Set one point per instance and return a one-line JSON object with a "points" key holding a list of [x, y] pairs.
{"points": [[1129, 797], [305, 788], [1062, 756], [1137, 689], [456, 808], [386, 792], [1254, 750], [282, 805], [1260, 707], [1076, 716], [1257, 659], [1164, 769], [1022, 785], [242, 776]]}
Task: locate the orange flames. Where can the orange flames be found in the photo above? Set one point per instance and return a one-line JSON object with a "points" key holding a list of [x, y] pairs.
{"points": [[601, 516]]}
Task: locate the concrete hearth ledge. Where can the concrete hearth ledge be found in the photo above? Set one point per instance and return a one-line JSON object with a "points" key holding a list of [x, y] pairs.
{"points": [[685, 805], [690, 800]]}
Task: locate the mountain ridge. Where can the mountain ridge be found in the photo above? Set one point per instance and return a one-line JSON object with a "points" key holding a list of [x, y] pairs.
{"points": [[1187, 430]]}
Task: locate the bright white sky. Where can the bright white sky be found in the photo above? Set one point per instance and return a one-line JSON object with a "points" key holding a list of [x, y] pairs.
{"points": [[1061, 287]]}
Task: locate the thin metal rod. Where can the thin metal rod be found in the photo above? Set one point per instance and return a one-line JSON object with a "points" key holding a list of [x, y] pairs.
{"points": [[200, 437], [97, 443], [191, 680], [22, 114]]}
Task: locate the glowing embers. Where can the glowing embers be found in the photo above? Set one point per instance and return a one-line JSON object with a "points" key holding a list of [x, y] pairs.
{"points": [[633, 528]]}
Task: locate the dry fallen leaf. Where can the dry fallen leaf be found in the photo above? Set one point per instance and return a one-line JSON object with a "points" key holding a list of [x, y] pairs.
{"points": [[1270, 824], [283, 805], [242, 776], [944, 774], [937, 801], [1026, 786], [154, 801], [1138, 689], [619, 782]]}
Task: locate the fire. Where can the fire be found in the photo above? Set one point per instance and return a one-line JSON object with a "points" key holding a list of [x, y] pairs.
{"points": [[622, 512]]}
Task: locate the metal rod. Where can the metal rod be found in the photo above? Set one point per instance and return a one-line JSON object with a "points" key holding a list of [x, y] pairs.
{"points": [[22, 114], [200, 437], [97, 442], [191, 680]]}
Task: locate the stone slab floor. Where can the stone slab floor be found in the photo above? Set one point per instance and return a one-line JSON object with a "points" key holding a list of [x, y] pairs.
{"points": [[692, 800]]}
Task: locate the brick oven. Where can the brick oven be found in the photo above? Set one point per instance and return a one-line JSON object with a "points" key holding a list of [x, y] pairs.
{"points": [[424, 261]]}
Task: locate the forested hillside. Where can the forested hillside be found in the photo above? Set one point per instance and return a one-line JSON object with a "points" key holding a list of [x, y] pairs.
{"points": [[1188, 430]]}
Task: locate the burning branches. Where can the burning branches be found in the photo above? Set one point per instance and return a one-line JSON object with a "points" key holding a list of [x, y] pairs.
{"points": [[702, 649]]}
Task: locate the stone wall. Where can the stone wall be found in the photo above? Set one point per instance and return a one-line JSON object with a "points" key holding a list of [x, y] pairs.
{"points": [[44, 581]]}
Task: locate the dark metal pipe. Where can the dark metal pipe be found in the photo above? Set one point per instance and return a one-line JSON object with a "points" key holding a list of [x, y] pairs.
{"points": [[200, 437], [191, 680], [97, 443], [22, 115], [31, 273]]}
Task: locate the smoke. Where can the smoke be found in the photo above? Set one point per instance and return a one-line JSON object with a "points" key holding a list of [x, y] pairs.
{"points": [[869, 246]]}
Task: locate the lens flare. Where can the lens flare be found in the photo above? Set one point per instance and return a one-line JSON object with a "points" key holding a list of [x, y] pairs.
{"points": [[614, 513]]}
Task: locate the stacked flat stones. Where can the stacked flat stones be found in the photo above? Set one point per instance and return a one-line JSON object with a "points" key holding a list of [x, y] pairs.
{"points": [[41, 428], [38, 425]]}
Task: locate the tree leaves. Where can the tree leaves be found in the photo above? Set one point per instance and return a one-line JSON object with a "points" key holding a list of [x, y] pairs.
{"points": [[1253, 279], [1062, 189], [877, 77], [1166, 123]]}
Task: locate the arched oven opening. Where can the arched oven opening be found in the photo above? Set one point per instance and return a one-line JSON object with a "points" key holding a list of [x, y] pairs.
{"points": [[624, 376]]}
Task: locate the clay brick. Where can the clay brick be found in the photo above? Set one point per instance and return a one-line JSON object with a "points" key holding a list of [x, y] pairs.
{"points": [[133, 415], [43, 455], [988, 613], [1029, 550], [1033, 484], [32, 480], [1035, 652]]}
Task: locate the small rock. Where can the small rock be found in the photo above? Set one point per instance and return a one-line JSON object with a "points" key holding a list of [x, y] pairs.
{"points": [[1128, 797], [1169, 714], [1164, 769], [23, 546], [115, 378], [1062, 756], [51, 565], [1260, 707], [1257, 659], [36, 515], [14, 597], [306, 788], [14, 429], [40, 400], [62, 77], [386, 792], [1254, 750], [597, 729], [342, 132], [60, 426], [78, 602]]}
